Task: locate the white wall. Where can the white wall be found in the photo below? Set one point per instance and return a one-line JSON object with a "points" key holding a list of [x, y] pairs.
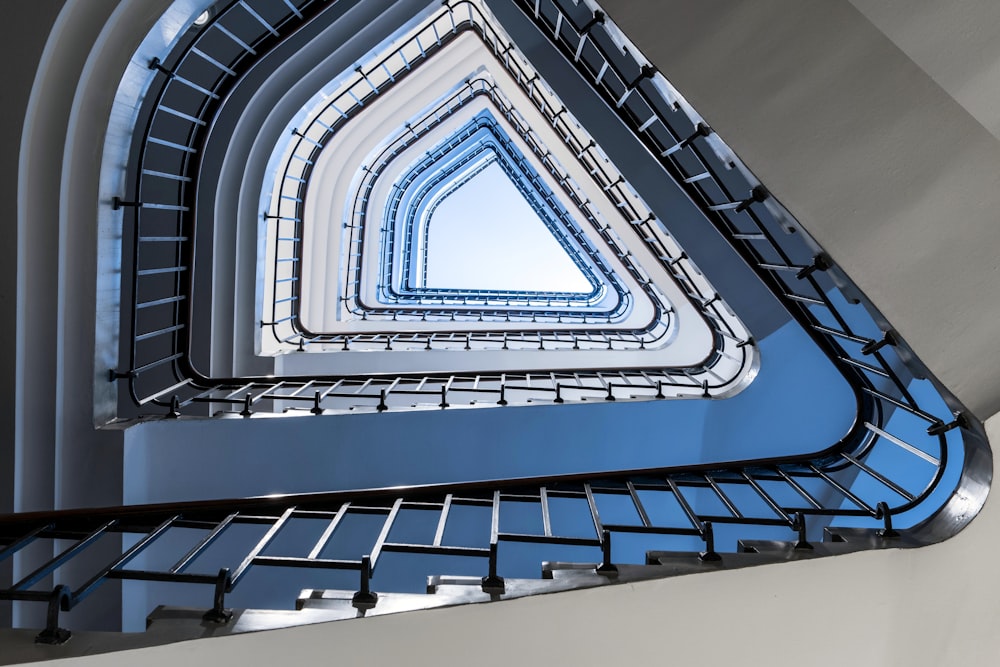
{"points": [[890, 173]]}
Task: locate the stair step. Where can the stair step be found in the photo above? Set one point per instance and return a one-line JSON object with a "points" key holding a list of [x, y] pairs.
{"points": [[340, 602], [780, 550], [674, 563], [177, 623], [868, 538], [316, 605], [835, 541]]}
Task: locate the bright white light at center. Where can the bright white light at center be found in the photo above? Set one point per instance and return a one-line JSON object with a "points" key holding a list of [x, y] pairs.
{"points": [[486, 236]]}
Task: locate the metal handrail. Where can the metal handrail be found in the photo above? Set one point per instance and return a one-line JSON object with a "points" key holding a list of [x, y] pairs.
{"points": [[178, 385], [815, 487], [311, 140]]}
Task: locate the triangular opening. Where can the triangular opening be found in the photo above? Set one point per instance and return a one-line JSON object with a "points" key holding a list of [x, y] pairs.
{"points": [[473, 217], [484, 234], [386, 163]]}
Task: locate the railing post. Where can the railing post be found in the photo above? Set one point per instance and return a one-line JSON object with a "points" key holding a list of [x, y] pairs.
{"points": [[120, 375], [803, 542], [645, 72], [493, 583], [757, 195], [365, 598], [53, 634], [882, 512], [118, 203], [871, 347], [709, 555], [218, 613], [175, 407], [155, 64], [940, 428], [820, 263], [607, 568], [700, 130]]}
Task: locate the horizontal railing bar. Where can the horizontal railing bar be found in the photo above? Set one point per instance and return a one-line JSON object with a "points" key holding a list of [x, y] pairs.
{"points": [[163, 174], [167, 390], [863, 366], [51, 565], [194, 86], [168, 269], [252, 557], [652, 530], [746, 521], [882, 479], [901, 443], [228, 33], [130, 554], [159, 302], [158, 332], [801, 298], [23, 541], [25, 596], [181, 114], [171, 144], [438, 550], [202, 544], [315, 563], [543, 539], [165, 207], [260, 19], [841, 334], [176, 577], [900, 404], [212, 60], [843, 490]]}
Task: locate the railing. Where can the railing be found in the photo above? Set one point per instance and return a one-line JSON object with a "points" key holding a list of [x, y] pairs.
{"points": [[489, 146], [901, 469], [514, 306], [354, 94], [161, 371], [791, 500], [543, 202]]}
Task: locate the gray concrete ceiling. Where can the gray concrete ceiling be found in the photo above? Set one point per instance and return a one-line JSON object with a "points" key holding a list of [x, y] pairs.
{"points": [[875, 124]]}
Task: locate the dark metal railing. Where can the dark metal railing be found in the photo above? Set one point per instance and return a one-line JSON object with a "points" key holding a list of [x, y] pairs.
{"points": [[373, 79], [161, 371], [790, 499], [908, 456]]}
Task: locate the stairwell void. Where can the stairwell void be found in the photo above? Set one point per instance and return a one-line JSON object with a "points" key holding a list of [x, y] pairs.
{"points": [[704, 306]]}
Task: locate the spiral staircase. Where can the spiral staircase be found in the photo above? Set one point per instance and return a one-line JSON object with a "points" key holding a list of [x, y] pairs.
{"points": [[847, 493]]}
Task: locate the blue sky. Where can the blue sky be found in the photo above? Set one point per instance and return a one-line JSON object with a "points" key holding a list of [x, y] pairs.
{"points": [[485, 235]]}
